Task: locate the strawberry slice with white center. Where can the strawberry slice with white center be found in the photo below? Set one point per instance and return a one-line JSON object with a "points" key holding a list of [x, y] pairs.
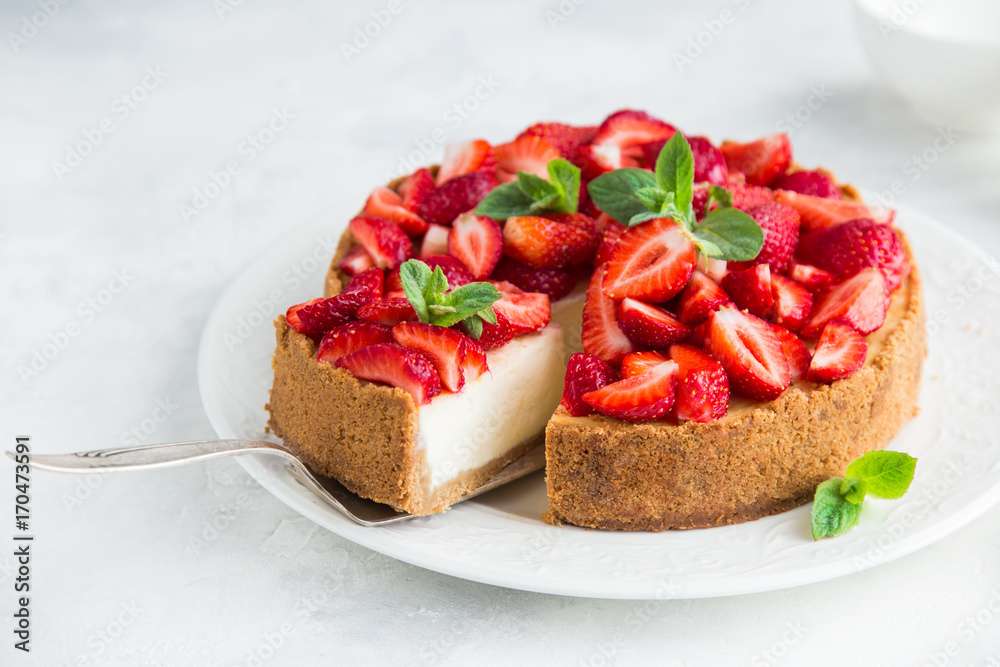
{"points": [[751, 289], [637, 363], [792, 302], [473, 360], [386, 204], [601, 334], [445, 347], [840, 352], [388, 311], [416, 188], [845, 249], [700, 298], [762, 160], [620, 138], [528, 153], [351, 337], [465, 158], [584, 373], [821, 212], [861, 301], [395, 365], [643, 397], [812, 278], [649, 326], [796, 353], [702, 385], [651, 261], [435, 241], [477, 241], [356, 261], [385, 241], [751, 351], [524, 312]]}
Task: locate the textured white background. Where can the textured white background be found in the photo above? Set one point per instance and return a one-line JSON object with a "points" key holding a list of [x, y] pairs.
{"points": [[149, 151]]}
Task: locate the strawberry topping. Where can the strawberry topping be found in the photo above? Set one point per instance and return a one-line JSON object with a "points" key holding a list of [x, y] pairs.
{"points": [[700, 298], [385, 241], [751, 351], [529, 153], [584, 373], [456, 196], [346, 338], [643, 397], [395, 365], [652, 261], [810, 277], [847, 248], [820, 212], [637, 363], [435, 241], [355, 261], [477, 241], [840, 352], [780, 225], [792, 302], [551, 242], [702, 385], [454, 270], [762, 160], [567, 139], [416, 188], [465, 158], [444, 347], [751, 289], [386, 204], [649, 326], [814, 183], [496, 335], [557, 283], [524, 312], [619, 140], [861, 301], [387, 311]]}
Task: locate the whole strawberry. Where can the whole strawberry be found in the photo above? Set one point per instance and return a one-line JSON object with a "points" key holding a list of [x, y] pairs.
{"points": [[584, 373], [780, 224], [849, 247]]}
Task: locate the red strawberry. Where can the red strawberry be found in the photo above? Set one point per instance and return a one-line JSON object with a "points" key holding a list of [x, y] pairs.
{"points": [[840, 352], [709, 163], [456, 196], [762, 160], [780, 225], [346, 338], [847, 248], [435, 241], [792, 302], [861, 301], [700, 298], [649, 326], [584, 373], [473, 360], [496, 335], [477, 241], [549, 243], [820, 212], [600, 333], [528, 153], [524, 311], [364, 287], [557, 283], [387, 311], [454, 270], [416, 188], [619, 139], [702, 385], [386, 243], [751, 289], [751, 351], [652, 261], [637, 363], [796, 352], [611, 232], [465, 158], [638, 398], [395, 365], [567, 139], [815, 183], [747, 197], [317, 316], [714, 268], [386, 204], [813, 279], [444, 347], [355, 261]]}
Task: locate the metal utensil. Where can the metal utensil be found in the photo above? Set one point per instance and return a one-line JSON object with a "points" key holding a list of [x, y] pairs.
{"points": [[359, 510]]}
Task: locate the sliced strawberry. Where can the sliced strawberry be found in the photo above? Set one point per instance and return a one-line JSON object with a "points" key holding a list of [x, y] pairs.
{"points": [[456, 196], [812, 278], [454, 270], [528, 153], [845, 249], [816, 183], [477, 241], [549, 243], [416, 189], [702, 385], [780, 225], [346, 338], [388, 311], [557, 283], [762, 160], [567, 139], [384, 240], [465, 158], [355, 261], [610, 233], [524, 311], [796, 353], [861, 301], [637, 363], [600, 332], [496, 335], [444, 347], [395, 365], [751, 289], [364, 287], [584, 373], [435, 241], [652, 261], [792, 302], [386, 204], [649, 326], [714, 268], [700, 298], [751, 351], [619, 139], [317, 316], [820, 212], [474, 360], [840, 352], [639, 398], [709, 163]]}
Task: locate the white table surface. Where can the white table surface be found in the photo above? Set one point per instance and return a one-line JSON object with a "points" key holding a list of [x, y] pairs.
{"points": [[151, 150]]}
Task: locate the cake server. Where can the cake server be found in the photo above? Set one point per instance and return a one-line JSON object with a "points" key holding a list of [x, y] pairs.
{"points": [[359, 510]]}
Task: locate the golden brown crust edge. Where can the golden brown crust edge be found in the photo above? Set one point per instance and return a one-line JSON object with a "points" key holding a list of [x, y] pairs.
{"points": [[607, 474]]}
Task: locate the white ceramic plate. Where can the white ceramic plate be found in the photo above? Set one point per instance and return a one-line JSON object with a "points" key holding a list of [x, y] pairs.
{"points": [[499, 538]]}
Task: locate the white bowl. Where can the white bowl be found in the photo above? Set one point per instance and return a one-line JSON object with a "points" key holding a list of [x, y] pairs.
{"points": [[943, 56]]}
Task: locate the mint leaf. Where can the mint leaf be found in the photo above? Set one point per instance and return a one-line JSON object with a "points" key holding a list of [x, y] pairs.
{"points": [[832, 514], [427, 291], [464, 302], [505, 201], [652, 198], [473, 326], [639, 218], [884, 474], [720, 196], [536, 188], [565, 176], [614, 192], [730, 234], [531, 194], [488, 315], [415, 277], [675, 173], [853, 490]]}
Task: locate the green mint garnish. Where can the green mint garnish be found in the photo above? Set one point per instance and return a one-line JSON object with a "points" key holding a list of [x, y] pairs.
{"points": [[838, 500], [532, 195], [634, 196], [428, 293]]}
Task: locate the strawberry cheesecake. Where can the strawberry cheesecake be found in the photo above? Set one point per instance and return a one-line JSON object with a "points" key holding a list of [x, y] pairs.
{"points": [[702, 332]]}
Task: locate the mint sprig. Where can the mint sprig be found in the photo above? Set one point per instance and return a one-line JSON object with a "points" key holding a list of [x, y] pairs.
{"points": [[633, 196], [428, 292], [838, 501], [531, 195]]}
